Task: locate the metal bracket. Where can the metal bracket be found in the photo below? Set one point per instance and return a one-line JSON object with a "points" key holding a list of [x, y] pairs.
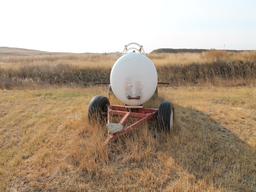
{"points": [[137, 47], [114, 127]]}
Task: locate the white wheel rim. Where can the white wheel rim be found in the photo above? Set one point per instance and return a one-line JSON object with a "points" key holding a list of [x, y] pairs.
{"points": [[171, 119]]}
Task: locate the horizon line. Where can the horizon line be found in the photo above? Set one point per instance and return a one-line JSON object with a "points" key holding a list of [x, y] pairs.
{"points": [[109, 52]]}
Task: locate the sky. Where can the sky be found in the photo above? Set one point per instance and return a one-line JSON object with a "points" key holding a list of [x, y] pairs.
{"points": [[107, 25]]}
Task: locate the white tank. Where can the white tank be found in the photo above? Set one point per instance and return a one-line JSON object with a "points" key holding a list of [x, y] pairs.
{"points": [[133, 78]]}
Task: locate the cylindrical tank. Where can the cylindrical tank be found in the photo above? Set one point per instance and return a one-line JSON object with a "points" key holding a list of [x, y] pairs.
{"points": [[133, 78]]}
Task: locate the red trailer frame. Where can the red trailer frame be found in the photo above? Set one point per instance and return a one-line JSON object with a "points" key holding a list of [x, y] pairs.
{"points": [[139, 113]]}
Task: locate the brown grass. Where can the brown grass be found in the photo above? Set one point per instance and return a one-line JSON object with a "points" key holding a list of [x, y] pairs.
{"points": [[47, 145], [213, 67]]}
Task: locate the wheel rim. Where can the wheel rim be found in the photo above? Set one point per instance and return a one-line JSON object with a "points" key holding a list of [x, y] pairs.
{"points": [[171, 119]]}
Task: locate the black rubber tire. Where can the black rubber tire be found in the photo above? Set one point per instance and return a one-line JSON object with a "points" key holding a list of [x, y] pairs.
{"points": [[98, 109], [165, 117]]}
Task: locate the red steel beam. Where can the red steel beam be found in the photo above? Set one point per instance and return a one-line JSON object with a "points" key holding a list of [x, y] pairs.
{"points": [[122, 108], [125, 118], [143, 114], [130, 128], [132, 114]]}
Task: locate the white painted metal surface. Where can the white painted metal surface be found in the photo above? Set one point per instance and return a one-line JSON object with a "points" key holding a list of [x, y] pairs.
{"points": [[133, 78]]}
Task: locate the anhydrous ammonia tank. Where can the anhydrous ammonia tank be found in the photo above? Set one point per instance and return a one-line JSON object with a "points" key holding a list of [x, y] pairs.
{"points": [[133, 78]]}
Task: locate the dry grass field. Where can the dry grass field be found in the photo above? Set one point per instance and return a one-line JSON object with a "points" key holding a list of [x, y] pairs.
{"points": [[30, 68], [46, 143]]}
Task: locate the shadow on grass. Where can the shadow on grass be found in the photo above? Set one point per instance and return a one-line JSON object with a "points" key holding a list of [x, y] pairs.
{"points": [[202, 147], [211, 152]]}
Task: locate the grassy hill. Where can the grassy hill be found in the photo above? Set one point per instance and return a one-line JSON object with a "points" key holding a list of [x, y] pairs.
{"points": [[171, 50], [10, 51]]}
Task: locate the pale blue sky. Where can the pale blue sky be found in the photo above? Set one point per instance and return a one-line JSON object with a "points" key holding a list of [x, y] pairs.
{"points": [[105, 26]]}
